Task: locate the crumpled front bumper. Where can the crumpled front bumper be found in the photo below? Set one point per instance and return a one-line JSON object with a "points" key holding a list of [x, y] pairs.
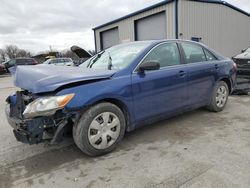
{"points": [[28, 131], [37, 129], [21, 135]]}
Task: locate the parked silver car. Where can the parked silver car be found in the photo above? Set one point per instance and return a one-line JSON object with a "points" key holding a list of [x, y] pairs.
{"points": [[60, 61]]}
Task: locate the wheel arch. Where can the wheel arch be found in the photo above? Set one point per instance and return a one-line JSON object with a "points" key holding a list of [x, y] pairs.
{"points": [[228, 82], [122, 106]]}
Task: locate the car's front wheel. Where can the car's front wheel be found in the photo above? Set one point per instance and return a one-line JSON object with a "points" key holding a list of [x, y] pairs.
{"points": [[99, 129], [219, 97]]}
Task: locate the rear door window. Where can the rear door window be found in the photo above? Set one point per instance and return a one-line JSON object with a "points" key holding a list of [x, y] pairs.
{"points": [[193, 53], [209, 55]]}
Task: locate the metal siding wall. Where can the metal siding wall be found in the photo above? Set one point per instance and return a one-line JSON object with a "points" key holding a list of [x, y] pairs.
{"points": [[126, 26], [220, 27]]}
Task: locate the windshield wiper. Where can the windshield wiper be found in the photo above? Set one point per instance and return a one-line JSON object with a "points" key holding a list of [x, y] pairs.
{"points": [[109, 62], [95, 59]]}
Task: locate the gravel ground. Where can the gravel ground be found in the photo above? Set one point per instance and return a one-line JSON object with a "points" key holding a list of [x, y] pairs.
{"points": [[196, 149]]}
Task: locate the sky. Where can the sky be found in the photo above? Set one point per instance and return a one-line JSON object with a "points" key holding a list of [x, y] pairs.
{"points": [[38, 25]]}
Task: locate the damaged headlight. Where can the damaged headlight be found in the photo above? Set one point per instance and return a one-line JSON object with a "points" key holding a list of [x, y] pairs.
{"points": [[46, 106]]}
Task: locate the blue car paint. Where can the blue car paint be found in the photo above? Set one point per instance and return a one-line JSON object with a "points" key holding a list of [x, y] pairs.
{"points": [[147, 97], [201, 78], [48, 78], [164, 91]]}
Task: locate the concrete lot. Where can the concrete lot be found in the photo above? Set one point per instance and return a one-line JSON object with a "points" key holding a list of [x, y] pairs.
{"points": [[196, 149]]}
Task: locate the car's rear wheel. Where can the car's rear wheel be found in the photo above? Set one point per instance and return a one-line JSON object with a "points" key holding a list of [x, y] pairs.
{"points": [[99, 129], [219, 98]]}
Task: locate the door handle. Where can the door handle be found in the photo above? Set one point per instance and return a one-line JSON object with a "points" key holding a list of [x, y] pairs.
{"points": [[182, 73]]}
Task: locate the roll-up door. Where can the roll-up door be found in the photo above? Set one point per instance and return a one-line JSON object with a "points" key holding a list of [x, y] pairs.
{"points": [[151, 27], [109, 38]]}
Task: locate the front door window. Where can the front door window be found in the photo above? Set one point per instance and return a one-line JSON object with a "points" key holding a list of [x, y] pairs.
{"points": [[166, 54]]}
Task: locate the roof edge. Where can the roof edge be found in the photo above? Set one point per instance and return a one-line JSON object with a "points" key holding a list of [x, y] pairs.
{"points": [[223, 3], [169, 1], [134, 13]]}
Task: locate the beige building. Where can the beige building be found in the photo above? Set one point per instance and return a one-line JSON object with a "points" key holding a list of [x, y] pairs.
{"points": [[215, 23]]}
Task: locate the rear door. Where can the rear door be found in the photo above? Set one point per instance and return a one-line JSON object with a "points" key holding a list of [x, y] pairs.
{"points": [[202, 70], [162, 91]]}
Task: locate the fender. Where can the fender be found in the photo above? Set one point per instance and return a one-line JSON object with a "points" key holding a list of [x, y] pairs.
{"points": [[116, 88]]}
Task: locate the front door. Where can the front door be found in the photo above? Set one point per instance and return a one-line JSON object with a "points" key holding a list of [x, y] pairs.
{"points": [[162, 91]]}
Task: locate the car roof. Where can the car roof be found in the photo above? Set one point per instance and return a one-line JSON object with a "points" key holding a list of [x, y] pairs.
{"points": [[155, 42], [164, 40]]}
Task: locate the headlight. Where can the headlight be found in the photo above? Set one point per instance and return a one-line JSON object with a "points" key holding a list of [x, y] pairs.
{"points": [[46, 106]]}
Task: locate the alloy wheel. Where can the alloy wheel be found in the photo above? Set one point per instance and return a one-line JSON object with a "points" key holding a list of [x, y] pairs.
{"points": [[221, 96]]}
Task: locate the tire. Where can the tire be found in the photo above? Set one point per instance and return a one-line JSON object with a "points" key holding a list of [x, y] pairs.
{"points": [[104, 121], [219, 97]]}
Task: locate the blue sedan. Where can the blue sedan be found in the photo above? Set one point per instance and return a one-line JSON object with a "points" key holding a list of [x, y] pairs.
{"points": [[117, 90]]}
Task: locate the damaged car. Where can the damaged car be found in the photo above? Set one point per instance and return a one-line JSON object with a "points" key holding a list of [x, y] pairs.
{"points": [[243, 63], [117, 90]]}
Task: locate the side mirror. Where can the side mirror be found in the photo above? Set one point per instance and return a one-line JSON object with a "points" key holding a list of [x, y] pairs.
{"points": [[150, 65]]}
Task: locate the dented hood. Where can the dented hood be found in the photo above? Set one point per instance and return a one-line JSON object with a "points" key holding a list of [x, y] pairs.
{"points": [[47, 78]]}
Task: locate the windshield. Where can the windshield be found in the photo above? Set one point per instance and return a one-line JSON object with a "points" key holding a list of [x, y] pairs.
{"points": [[117, 57]]}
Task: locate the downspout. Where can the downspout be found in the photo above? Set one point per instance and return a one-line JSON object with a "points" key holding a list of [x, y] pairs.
{"points": [[176, 19], [95, 40]]}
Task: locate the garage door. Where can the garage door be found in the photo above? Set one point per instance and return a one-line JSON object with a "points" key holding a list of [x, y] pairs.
{"points": [[109, 38], [151, 27]]}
